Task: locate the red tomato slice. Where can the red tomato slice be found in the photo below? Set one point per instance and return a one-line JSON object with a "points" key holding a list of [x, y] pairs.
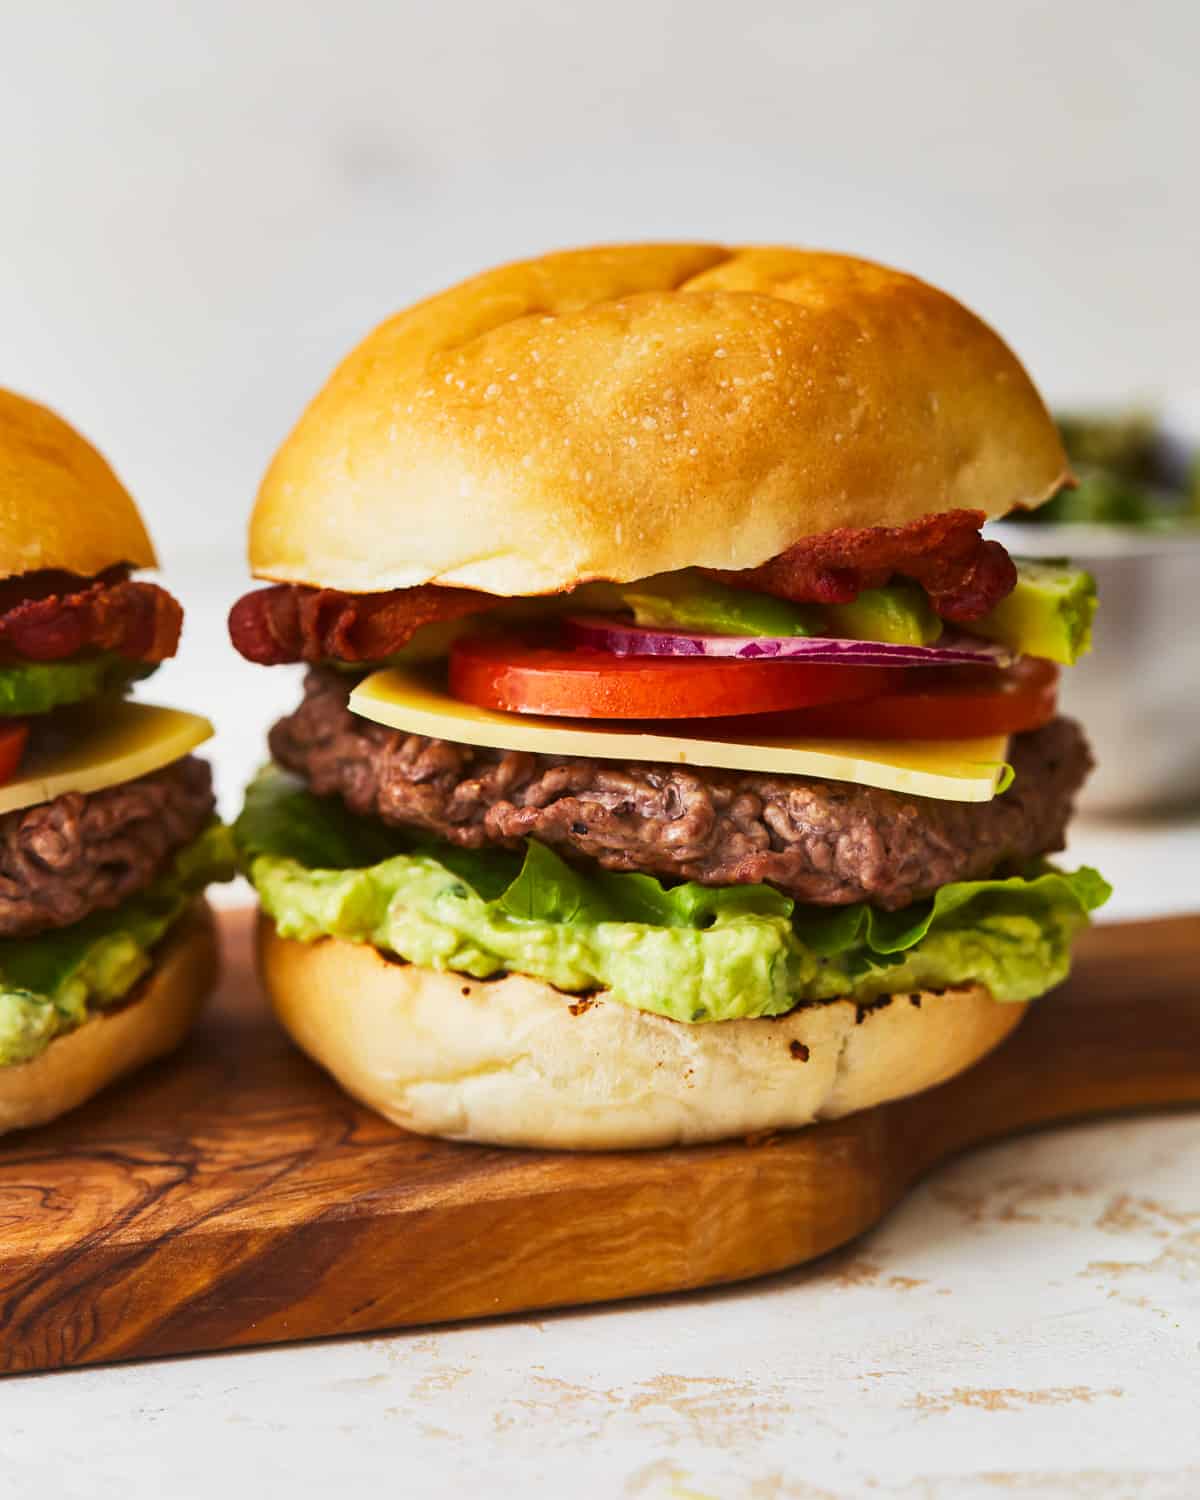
{"points": [[939, 703], [512, 676], [13, 734]]}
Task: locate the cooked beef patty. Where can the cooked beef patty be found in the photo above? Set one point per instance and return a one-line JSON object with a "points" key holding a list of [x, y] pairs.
{"points": [[86, 852], [826, 842]]}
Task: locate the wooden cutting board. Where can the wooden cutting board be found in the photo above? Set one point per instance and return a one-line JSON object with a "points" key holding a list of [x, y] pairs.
{"points": [[232, 1195]]}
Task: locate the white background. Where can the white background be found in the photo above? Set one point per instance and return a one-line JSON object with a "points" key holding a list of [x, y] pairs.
{"points": [[202, 205]]}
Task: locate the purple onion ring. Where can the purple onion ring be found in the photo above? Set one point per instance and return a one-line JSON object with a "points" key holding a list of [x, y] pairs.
{"points": [[620, 638]]}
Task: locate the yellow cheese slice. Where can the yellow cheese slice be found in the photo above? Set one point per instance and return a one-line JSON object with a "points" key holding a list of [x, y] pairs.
{"points": [[968, 770], [99, 745]]}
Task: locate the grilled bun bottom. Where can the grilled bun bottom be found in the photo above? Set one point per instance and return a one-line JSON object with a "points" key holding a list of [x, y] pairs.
{"points": [[157, 1017], [513, 1061]]}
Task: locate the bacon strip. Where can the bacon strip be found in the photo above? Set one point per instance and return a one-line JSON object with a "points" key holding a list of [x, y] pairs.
{"points": [[964, 575], [290, 622], [48, 616]]}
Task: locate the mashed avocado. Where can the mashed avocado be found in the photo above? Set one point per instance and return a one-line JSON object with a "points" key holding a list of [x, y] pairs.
{"points": [[689, 952], [52, 982]]}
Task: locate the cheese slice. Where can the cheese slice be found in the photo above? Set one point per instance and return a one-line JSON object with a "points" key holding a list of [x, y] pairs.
{"points": [[968, 770], [99, 745]]}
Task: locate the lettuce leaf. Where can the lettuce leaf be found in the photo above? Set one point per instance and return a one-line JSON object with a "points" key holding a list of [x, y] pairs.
{"points": [[886, 933]]}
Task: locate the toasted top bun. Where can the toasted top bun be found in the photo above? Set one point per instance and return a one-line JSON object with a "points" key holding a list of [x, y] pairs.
{"points": [[515, 1062], [622, 411], [61, 506], [154, 1021]]}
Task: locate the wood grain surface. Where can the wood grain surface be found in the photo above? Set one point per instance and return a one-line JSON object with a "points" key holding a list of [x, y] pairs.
{"points": [[232, 1195]]}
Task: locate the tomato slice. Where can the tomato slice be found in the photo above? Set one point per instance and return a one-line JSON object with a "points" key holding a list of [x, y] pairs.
{"points": [[938, 703], [513, 676], [13, 735]]}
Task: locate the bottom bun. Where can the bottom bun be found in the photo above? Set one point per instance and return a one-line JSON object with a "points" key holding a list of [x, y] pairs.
{"points": [[155, 1020], [513, 1061]]}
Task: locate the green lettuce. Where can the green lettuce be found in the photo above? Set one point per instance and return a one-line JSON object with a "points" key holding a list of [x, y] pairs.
{"points": [[690, 952], [52, 982]]}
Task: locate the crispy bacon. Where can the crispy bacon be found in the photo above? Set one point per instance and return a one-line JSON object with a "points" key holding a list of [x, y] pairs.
{"points": [[964, 575], [290, 622], [47, 616]]}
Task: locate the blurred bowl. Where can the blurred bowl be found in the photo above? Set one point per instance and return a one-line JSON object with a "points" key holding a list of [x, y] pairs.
{"points": [[1138, 692]]}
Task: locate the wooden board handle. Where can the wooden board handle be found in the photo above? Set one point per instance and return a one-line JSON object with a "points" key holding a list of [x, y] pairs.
{"points": [[1123, 1034]]}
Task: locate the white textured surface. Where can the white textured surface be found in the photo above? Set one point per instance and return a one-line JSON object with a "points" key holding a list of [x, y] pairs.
{"points": [[1025, 1325], [203, 205]]}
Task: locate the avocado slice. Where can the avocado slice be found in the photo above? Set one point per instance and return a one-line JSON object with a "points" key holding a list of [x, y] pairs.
{"points": [[1048, 614], [689, 601], [899, 614], [35, 687]]}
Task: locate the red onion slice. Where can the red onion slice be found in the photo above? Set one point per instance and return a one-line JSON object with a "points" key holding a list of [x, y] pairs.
{"points": [[621, 639]]}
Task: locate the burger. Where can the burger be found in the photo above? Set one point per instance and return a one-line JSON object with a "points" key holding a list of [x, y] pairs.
{"points": [[677, 758], [107, 829]]}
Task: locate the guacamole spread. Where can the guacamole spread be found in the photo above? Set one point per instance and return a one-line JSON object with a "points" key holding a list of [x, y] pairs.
{"points": [[689, 952], [51, 983]]}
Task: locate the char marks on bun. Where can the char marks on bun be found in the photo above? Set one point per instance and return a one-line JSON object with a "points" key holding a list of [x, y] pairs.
{"points": [[515, 1062]]}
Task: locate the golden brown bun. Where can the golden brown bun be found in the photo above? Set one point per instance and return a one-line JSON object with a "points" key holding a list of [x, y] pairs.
{"points": [[61, 506], [113, 1043], [508, 1061], [622, 411]]}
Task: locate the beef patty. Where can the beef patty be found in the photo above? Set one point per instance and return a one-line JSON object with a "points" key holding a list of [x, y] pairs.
{"points": [[820, 841], [87, 852]]}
